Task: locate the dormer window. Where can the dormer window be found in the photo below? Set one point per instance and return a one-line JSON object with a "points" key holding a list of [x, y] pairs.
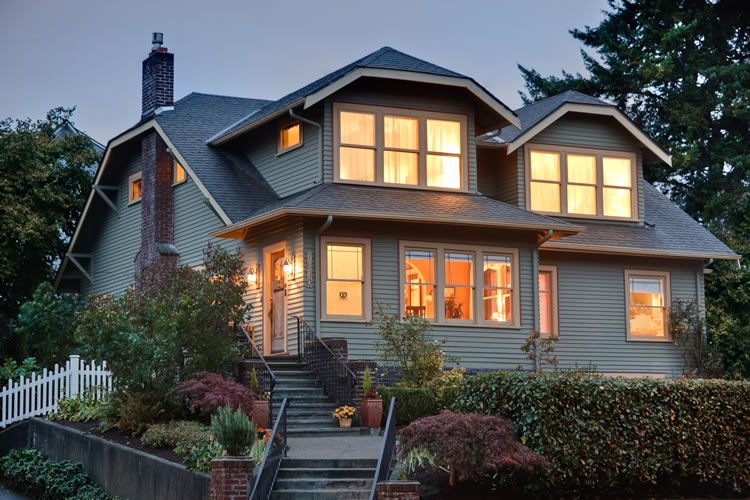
{"points": [[576, 182], [398, 147], [178, 173], [135, 189], [290, 136]]}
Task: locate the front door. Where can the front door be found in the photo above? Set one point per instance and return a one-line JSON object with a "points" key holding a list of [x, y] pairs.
{"points": [[277, 302]]}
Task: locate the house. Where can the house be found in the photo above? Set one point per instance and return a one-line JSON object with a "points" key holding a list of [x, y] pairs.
{"points": [[395, 183]]}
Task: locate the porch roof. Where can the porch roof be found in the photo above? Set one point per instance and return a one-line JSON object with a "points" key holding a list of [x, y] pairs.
{"points": [[404, 205]]}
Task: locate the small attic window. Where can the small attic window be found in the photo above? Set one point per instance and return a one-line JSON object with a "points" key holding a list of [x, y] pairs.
{"points": [[290, 136], [178, 173], [135, 190]]}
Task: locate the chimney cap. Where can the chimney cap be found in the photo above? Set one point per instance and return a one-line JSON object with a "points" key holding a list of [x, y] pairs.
{"points": [[157, 40]]}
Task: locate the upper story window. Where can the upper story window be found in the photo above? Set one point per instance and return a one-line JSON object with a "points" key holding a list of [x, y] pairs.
{"points": [[178, 173], [135, 188], [290, 136], [399, 147], [581, 183]]}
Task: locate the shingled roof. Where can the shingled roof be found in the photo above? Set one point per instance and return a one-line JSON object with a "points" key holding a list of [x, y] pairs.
{"points": [[669, 230], [228, 176], [384, 58]]}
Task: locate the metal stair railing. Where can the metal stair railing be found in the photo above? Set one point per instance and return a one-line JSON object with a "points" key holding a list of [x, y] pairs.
{"points": [[267, 379], [271, 463], [387, 448]]}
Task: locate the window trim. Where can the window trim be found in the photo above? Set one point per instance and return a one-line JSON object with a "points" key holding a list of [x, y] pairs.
{"points": [[478, 252], [131, 179], [599, 154], [554, 290], [666, 276], [366, 243], [175, 182], [379, 148], [289, 122]]}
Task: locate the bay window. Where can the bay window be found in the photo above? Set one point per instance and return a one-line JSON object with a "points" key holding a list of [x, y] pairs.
{"points": [[399, 147], [459, 284], [579, 182], [647, 299], [346, 283]]}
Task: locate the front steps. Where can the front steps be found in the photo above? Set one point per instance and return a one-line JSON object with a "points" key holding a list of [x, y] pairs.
{"points": [[324, 479]]}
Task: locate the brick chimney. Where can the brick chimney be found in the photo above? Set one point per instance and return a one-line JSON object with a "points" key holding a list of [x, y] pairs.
{"points": [[157, 206], [158, 77]]}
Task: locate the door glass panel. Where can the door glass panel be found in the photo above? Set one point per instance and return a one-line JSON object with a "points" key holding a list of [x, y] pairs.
{"points": [[357, 164], [357, 128]]}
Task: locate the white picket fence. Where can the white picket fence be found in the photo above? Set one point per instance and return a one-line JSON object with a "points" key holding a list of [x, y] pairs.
{"points": [[38, 395]]}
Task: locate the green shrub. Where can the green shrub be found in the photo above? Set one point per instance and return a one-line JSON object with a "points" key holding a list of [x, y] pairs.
{"points": [[177, 433], [411, 403], [366, 382], [32, 473], [12, 370], [614, 435], [82, 408], [198, 457], [138, 411], [232, 430]]}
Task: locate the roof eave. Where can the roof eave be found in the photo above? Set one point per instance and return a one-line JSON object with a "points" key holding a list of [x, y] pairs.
{"points": [[228, 134], [604, 249]]}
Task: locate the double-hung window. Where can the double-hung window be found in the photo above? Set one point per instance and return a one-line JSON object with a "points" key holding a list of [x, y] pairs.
{"points": [[135, 187], [647, 298], [346, 283], [399, 147], [578, 182], [459, 284]]}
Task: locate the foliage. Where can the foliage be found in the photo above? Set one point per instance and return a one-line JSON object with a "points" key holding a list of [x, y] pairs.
{"points": [[254, 386], [408, 343], [172, 324], [446, 379], [681, 72], [32, 473], [209, 391], [232, 430], [367, 382], [44, 182], [686, 326], [416, 458], [137, 411], [618, 436], [84, 407], [49, 319], [411, 403], [344, 412], [12, 370], [177, 433], [470, 444], [198, 457], [540, 350]]}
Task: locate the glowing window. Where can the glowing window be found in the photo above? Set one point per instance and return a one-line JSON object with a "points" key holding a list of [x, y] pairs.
{"points": [[290, 136], [346, 284], [548, 301], [419, 286], [178, 173], [135, 188], [545, 181], [459, 285], [647, 302], [498, 288]]}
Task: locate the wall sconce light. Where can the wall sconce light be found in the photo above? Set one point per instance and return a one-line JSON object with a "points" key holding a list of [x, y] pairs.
{"points": [[289, 267], [252, 277]]}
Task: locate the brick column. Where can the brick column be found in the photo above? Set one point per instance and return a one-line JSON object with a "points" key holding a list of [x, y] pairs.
{"points": [[401, 490], [358, 367], [231, 478]]}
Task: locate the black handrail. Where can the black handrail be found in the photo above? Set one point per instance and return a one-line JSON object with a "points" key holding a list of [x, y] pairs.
{"points": [[275, 451], [338, 380], [267, 379], [387, 447]]}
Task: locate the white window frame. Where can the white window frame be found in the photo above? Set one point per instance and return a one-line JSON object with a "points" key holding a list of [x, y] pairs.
{"points": [[131, 179], [553, 301], [284, 124], [366, 244], [599, 154], [478, 252], [666, 276], [379, 148], [175, 165]]}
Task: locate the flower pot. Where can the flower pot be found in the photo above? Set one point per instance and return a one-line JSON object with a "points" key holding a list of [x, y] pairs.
{"points": [[261, 412], [345, 422], [372, 411]]}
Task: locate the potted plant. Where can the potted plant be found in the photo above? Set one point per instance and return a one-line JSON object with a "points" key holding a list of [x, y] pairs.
{"points": [[345, 414], [261, 402], [371, 405]]}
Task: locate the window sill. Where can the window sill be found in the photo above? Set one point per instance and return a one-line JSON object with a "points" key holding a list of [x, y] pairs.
{"points": [[344, 320], [133, 202], [183, 181], [287, 150], [401, 186], [648, 339]]}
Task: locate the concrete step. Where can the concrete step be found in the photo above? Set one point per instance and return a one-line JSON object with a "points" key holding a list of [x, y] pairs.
{"points": [[322, 472], [293, 390], [329, 463], [297, 379], [309, 431], [320, 494], [297, 400], [311, 421], [323, 484]]}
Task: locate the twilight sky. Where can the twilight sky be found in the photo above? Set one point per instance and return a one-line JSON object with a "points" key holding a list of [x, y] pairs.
{"points": [[88, 53]]}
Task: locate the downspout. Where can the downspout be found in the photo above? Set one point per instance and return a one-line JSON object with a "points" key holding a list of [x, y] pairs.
{"points": [[317, 268], [535, 277], [320, 141]]}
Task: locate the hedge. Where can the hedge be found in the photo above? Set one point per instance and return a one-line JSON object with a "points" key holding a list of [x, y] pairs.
{"points": [[613, 434], [411, 403]]}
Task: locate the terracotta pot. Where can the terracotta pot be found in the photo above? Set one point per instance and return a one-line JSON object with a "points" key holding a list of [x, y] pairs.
{"points": [[345, 422], [372, 411], [261, 412]]}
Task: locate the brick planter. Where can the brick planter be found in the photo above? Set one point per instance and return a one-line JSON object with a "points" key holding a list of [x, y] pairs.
{"points": [[401, 490], [231, 478]]}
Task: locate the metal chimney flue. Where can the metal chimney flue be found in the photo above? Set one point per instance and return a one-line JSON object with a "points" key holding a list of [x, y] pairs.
{"points": [[157, 41]]}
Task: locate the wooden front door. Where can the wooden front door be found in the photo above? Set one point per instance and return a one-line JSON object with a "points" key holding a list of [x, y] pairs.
{"points": [[277, 303]]}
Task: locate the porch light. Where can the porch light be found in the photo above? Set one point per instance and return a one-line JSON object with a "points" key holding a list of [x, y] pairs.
{"points": [[252, 277], [288, 266]]}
